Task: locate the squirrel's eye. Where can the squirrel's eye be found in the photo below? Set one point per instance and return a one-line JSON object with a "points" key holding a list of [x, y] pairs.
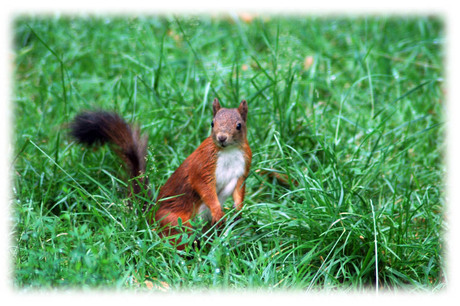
{"points": [[212, 123], [238, 126]]}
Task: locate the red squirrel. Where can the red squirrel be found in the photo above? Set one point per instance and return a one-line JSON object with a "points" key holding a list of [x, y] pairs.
{"points": [[216, 170]]}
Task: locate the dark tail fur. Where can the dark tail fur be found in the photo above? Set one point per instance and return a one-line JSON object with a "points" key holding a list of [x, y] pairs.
{"points": [[101, 127]]}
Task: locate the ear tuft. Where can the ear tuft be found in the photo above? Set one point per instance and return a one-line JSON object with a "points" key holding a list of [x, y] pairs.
{"points": [[243, 110], [215, 107]]}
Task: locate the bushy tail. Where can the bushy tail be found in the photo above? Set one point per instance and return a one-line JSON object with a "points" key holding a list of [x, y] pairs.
{"points": [[100, 127]]}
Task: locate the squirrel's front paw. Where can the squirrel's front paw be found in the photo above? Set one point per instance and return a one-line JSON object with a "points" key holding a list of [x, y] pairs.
{"points": [[218, 218]]}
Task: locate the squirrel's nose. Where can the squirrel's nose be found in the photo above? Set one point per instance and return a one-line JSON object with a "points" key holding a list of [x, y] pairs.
{"points": [[222, 138]]}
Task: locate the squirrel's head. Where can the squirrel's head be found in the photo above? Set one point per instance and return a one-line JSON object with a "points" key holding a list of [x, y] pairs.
{"points": [[229, 124]]}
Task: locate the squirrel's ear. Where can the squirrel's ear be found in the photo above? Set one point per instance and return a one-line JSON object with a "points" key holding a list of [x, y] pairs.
{"points": [[243, 110], [215, 107]]}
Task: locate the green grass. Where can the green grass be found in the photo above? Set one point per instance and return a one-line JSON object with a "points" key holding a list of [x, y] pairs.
{"points": [[351, 109]]}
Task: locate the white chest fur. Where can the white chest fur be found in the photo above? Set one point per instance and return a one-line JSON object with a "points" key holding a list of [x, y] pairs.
{"points": [[230, 167]]}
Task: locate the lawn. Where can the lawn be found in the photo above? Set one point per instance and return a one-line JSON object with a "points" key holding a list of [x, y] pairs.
{"points": [[346, 123]]}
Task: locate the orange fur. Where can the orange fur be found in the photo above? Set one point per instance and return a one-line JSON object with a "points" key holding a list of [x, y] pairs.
{"points": [[194, 182]]}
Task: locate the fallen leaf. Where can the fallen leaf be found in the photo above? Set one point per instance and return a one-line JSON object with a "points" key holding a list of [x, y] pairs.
{"points": [[246, 17], [308, 62]]}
